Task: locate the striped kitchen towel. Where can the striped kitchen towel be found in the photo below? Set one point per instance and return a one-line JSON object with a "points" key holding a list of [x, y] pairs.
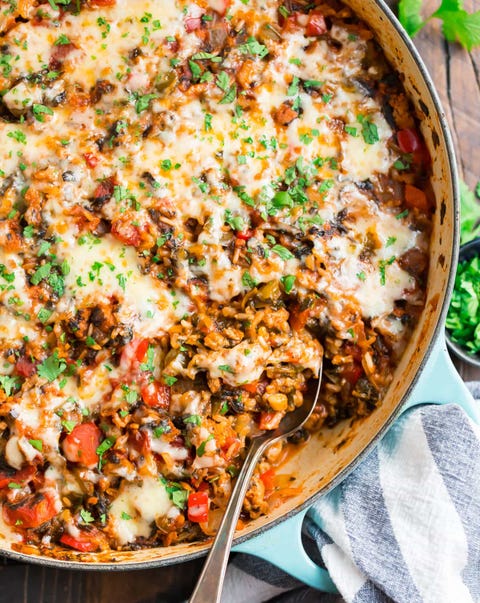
{"points": [[404, 527]]}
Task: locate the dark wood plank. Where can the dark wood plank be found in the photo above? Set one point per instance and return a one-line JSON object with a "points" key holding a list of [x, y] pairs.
{"points": [[457, 77]]}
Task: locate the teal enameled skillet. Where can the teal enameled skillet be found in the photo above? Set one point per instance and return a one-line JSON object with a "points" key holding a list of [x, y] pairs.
{"points": [[425, 373]]}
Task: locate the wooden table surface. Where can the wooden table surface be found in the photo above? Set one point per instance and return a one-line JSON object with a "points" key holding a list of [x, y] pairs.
{"points": [[456, 74]]}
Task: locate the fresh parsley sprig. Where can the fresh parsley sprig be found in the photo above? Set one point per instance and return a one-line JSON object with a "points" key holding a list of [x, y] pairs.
{"points": [[458, 25]]}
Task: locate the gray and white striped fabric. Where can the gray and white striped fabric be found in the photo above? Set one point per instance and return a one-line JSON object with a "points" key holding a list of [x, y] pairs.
{"points": [[403, 527]]}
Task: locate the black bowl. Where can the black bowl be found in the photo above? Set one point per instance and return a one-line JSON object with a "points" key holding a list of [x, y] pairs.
{"points": [[467, 252]]}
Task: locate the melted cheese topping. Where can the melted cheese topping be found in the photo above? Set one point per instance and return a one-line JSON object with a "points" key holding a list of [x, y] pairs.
{"points": [[191, 194], [136, 507]]}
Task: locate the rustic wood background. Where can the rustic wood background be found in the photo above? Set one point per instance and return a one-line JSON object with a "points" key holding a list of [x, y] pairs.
{"points": [[456, 74]]}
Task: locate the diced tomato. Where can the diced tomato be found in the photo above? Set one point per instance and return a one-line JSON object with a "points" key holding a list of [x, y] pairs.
{"points": [[198, 507], [24, 367], [84, 542], [21, 477], [133, 354], [408, 141], [156, 395], [141, 350], [97, 3], [270, 420], [231, 447], [204, 487], [416, 198], [256, 387], [103, 192], [352, 372], [268, 479], [316, 25], [220, 6], [91, 160], [30, 512], [245, 236], [298, 318], [126, 233], [250, 387], [80, 446], [354, 350]]}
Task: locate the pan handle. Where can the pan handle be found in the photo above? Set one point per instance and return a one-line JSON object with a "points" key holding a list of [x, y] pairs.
{"points": [[282, 546], [440, 383]]}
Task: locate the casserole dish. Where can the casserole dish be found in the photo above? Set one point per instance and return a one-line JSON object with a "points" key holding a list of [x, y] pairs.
{"points": [[337, 449]]}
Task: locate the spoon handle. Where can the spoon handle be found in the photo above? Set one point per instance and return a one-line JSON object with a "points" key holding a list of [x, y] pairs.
{"points": [[209, 585]]}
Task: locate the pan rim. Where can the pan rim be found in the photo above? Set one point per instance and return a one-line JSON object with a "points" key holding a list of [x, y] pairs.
{"points": [[437, 333]]}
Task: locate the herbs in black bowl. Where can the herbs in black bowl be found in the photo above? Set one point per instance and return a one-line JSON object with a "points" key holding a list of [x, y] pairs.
{"points": [[463, 319]]}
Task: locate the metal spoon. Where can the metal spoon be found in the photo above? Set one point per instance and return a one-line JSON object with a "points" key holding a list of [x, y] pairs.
{"points": [[210, 582]]}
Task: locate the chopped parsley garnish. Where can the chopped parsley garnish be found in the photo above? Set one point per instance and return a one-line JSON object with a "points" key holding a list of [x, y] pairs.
{"points": [[382, 265], [86, 516], [248, 280], [38, 444], [176, 493], [62, 40], [102, 449], [18, 135], [208, 122], [142, 102], [463, 317], [169, 380], [9, 384], [293, 89], [201, 448], [235, 222], [149, 365], [369, 130], [283, 252], [193, 419], [39, 112], [288, 282], [226, 368], [252, 46], [52, 367], [68, 425]]}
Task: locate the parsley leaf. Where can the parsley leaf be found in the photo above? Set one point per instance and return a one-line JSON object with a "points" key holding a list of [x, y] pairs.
{"points": [[52, 367], [143, 102], [252, 46], [464, 313], [104, 446], [86, 516], [248, 280], [369, 130], [409, 15], [283, 252], [288, 282], [9, 384], [201, 448], [39, 112], [458, 24], [470, 215]]}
